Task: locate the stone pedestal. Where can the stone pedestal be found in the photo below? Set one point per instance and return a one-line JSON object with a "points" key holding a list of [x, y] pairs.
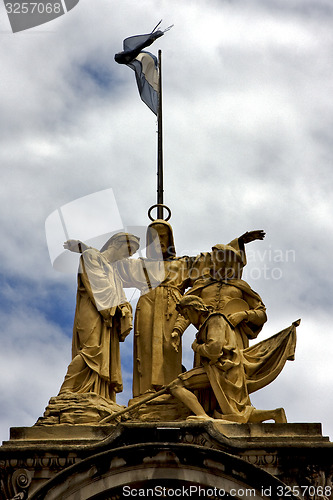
{"points": [[76, 408], [199, 460]]}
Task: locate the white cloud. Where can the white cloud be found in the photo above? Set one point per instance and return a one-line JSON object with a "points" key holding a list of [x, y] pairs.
{"points": [[33, 359], [304, 386]]}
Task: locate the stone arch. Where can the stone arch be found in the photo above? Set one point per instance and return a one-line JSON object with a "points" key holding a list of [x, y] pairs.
{"points": [[137, 468]]}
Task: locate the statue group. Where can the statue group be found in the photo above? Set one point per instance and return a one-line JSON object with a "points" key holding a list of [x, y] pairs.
{"points": [[205, 290]]}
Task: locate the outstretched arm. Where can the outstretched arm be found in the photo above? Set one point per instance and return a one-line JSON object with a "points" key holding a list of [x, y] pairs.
{"points": [[75, 246], [249, 236]]}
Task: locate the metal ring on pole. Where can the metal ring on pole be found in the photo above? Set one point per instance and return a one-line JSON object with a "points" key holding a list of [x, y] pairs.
{"points": [[156, 206]]}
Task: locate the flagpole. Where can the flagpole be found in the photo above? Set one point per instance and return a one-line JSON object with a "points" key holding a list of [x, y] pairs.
{"points": [[160, 189]]}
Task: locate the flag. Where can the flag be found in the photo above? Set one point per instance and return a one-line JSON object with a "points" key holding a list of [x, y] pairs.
{"points": [[146, 73], [144, 65]]}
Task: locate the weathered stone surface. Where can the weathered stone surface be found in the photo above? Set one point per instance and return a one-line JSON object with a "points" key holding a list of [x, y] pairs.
{"points": [[80, 462], [58, 435], [76, 408], [269, 431]]}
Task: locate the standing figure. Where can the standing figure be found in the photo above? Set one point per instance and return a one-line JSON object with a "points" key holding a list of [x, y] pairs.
{"points": [[220, 373], [155, 362], [103, 318]]}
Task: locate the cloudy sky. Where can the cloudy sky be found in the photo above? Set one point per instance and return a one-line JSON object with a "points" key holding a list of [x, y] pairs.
{"points": [[248, 117]]}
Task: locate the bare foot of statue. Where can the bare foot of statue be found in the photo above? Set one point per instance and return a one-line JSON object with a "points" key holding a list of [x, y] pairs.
{"points": [[199, 418], [280, 416], [258, 416]]}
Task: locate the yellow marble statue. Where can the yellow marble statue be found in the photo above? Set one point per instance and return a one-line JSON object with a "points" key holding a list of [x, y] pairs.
{"points": [[224, 374], [163, 278], [155, 361], [103, 318]]}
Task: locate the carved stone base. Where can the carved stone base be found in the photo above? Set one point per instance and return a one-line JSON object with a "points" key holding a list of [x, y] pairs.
{"points": [[208, 459], [76, 408]]}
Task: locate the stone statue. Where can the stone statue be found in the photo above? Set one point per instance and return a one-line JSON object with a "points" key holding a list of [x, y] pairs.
{"points": [[222, 285], [226, 312], [155, 360], [103, 318], [224, 374]]}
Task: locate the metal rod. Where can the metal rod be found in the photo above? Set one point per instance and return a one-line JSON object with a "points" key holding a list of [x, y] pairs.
{"points": [[160, 189]]}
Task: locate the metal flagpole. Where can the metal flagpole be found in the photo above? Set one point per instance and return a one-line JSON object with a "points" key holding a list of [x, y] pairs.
{"points": [[160, 189]]}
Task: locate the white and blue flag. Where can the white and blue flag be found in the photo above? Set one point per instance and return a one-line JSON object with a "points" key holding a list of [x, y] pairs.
{"points": [[146, 73], [144, 64]]}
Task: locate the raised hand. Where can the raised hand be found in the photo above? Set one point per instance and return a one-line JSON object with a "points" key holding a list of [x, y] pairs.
{"points": [[249, 236], [73, 246]]}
